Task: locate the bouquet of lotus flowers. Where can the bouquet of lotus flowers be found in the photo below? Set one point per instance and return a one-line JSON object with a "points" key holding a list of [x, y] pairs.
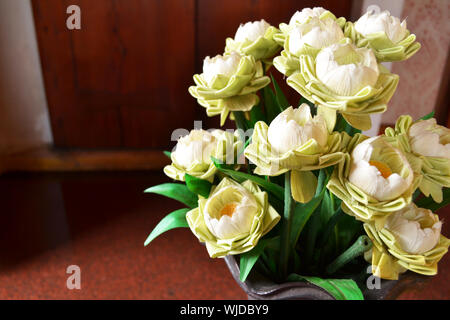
{"points": [[297, 192]]}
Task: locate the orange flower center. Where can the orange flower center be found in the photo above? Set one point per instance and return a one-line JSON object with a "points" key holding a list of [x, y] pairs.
{"points": [[384, 169], [228, 210]]}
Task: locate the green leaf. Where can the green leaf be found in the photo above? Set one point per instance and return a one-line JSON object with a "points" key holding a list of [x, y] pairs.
{"points": [[168, 154], [176, 219], [428, 116], [248, 259], [198, 186], [302, 213], [239, 118], [273, 188], [271, 104], [249, 140], [322, 180], [283, 103], [221, 165], [177, 192], [347, 230], [341, 289], [256, 114], [327, 208], [329, 227], [428, 202]]}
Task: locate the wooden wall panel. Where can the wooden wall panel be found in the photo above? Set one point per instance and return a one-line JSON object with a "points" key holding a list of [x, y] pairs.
{"points": [[120, 81]]}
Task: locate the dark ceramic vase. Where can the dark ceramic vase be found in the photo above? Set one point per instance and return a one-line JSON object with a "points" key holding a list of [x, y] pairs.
{"points": [[258, 287]]}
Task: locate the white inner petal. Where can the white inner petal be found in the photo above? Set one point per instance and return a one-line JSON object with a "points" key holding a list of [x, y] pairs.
{"points": [[426, 139], [368, 178], [294, 127], [239, 223], [372, 22], [316, 33], [302, 16], [225, 65], [346, 69], [406, 228], [196, 147], [251, 31]]}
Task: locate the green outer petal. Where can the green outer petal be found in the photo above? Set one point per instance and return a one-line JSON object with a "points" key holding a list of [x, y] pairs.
{"points": [[303, 185], [384, 49], [262, 48]]}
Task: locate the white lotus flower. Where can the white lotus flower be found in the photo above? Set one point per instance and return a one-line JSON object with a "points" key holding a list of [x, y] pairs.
{"points": [[302, 16], [416, 230], [373, 167], [316, 32], [372, 22], [194, 148], [251, 31], [430, 139], [294, 127], [233, 218], [346, 69], [220, 65]]}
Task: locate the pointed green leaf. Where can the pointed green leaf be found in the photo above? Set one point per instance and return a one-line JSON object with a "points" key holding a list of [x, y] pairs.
{"points": [[168, 154], [428, 116], [275, 189], [177, 192], [256, 114], [176, 219], [198, 186], [302, 213], [240, 120], [283, 103], [271, 104], [248, 259], [341, 289]]}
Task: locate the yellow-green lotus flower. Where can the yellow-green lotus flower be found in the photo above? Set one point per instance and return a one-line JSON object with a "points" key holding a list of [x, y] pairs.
{"points": [[410, 239], [347, 79], [428, 146], [374, 180], [308, 38], [233, 219], [294, 141], [228, 83], [254, 39], [384, 34], [303, 16], [194, 151]]}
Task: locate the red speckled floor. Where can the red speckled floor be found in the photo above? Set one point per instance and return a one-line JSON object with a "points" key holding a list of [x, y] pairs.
{"points": [[99, 222]]}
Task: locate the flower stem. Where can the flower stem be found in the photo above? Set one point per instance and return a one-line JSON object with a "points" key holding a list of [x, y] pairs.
{"points": [[286, 226], [361, 245], [239, 118]]}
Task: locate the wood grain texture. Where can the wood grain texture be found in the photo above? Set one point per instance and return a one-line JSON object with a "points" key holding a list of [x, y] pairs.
{"points": [[120, 81]]}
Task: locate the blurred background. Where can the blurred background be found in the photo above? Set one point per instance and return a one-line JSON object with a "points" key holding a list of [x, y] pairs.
{"points": [[85, 115]]}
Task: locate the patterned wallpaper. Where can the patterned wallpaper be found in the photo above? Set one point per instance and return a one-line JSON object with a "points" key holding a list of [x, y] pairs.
{"points": [[420, 76]]}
